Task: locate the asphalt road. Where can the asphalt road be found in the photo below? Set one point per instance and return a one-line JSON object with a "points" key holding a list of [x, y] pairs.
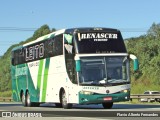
{"points": [[85, 112]]}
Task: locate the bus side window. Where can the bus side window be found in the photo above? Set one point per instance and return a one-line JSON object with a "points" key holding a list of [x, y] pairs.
{"points": [[49, 47], [70, 64], [21, 56], [58, 45], [12, 59], [16, 54]]}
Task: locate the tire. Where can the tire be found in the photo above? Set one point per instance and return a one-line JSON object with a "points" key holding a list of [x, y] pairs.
{"points": [[29, 103], [58, 105], [23, 99], [27, 100], [34, 104], [107, 105], [65, 105]]}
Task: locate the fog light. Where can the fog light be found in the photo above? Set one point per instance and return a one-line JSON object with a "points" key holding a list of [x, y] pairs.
{"points": [[125, 91]]}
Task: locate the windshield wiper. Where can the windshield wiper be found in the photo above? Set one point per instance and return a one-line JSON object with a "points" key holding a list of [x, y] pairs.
{"points": [[116, 81], [104, 81], [90, 82]]}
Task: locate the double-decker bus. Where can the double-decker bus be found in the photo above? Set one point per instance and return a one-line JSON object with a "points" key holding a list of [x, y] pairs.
{"points": [[73, 66]]}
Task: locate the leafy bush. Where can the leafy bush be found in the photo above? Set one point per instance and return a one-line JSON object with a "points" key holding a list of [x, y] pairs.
{"points": [[5, 64]]}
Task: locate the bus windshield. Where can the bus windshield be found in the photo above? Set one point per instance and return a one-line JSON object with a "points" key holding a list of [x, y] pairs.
{"points": [[103, 70], [101, 42]]}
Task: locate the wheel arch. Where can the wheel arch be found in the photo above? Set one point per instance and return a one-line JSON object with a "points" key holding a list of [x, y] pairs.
{"points": [[21, 93]]}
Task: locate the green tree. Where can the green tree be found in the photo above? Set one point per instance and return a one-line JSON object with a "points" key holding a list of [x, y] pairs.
{"points": [[5, 73], [154, 31], [42, 31], [147, 49]]}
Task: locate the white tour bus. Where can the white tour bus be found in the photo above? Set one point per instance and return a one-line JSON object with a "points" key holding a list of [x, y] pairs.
{"points": [[73, 66]]}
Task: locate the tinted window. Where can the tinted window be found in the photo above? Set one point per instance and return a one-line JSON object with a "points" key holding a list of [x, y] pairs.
{"points": [[54, 46], [58, 45], [101, 42], [39, 50]]}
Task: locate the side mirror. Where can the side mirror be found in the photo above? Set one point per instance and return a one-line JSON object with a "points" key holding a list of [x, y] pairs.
{"points": [[135, 62], [78, 64]]}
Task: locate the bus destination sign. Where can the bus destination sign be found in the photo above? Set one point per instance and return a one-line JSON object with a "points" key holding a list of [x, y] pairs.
{"points": [[97, 36]]}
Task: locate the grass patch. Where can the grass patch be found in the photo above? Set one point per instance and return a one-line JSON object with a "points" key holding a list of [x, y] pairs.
{"points": [[6, 94], [140, 88]]}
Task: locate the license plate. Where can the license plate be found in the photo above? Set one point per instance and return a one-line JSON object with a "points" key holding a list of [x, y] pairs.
{"points": [[107, 98]]}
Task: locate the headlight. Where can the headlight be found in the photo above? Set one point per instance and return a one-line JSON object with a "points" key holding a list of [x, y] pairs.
{"points": [[87, 92], [125, 91]]}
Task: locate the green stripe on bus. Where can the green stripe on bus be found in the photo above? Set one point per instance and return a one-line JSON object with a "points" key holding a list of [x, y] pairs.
{"points": [[18, 98], [39, 78], [45, 80], [39, 75]]}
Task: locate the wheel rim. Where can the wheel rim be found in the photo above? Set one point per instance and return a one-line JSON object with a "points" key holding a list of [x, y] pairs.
{"points": [[23, 99], [28, 100]]}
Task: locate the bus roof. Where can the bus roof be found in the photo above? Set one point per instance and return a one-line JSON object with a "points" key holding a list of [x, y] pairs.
{"points": [[68, 31], [87, 29], [40, 38]]}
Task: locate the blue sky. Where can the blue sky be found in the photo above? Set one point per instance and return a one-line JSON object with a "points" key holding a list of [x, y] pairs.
{"points": [[132, 17]]}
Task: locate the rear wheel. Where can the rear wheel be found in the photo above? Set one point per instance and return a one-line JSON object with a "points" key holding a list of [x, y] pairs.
{"points": [[23, 100], [64, 101], [107, 105], [27, 100], [29, 103], [35, 104]]}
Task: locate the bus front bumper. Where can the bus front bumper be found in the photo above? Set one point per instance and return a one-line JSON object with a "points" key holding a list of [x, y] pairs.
{"points": [[101, 98]]}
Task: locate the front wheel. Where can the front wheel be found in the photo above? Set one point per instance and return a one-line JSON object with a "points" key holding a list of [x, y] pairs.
{"points": [[64, 101], [107, 105], [58, 105]]}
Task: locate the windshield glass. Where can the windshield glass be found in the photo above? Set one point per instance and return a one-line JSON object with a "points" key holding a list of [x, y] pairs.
{"points": [[103, 70]]}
